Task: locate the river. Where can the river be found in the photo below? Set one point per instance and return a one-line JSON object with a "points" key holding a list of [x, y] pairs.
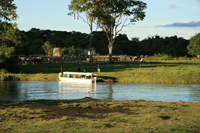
{"points": [[31, 90]]}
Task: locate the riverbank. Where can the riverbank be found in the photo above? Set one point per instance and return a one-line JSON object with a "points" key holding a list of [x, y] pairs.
{"points": [[92, 115], [152, 70]]}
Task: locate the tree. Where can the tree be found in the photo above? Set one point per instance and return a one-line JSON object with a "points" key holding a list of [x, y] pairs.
{"points": [[79, 6], [194, 45], [9, 36], [48, 48], [8, 60], [12, 42], [110, 14], [181, 46], [7, 10], [100, 42], [69, 51], [12, 36]]}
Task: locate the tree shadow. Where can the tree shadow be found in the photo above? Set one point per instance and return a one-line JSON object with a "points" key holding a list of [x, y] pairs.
{"points": [[30, 103], [104, 66], [164, 117]]}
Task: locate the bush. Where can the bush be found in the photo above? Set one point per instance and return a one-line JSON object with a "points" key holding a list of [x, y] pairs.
{"points": [[160, 57], [3, 71]]}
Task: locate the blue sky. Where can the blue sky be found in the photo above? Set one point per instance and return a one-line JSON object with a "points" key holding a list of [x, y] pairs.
{"points": [[163, 18]]}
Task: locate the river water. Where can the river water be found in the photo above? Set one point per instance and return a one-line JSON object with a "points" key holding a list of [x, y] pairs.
{"points": [[29, 90]]}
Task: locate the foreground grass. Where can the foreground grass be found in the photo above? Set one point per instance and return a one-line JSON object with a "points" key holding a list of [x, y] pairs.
{"points": [[127, 116], [152, 70]]}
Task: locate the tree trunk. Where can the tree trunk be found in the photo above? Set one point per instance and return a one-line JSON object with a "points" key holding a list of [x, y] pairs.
{"points": [[110, 47], [90, 58]]}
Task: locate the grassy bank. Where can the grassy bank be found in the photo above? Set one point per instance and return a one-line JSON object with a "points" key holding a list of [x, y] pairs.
{"points": [[90, 115], [152, 70]]}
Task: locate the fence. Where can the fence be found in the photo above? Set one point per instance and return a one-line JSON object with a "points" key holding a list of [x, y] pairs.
{"points": [[75, 59]]}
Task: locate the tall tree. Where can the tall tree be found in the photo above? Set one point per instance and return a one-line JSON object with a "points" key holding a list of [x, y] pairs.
{"points": [[7, 10], [79, 6], [111, 14], [9, 36]]}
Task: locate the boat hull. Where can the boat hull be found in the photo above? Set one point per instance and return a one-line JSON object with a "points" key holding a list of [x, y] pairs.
{"points": [[77, 80]]}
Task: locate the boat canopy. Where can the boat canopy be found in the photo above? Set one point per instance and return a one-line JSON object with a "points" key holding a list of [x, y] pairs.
{"points": [[80, 73]]}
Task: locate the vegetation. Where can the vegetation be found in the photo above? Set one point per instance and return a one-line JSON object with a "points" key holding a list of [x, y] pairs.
{"points": [[7, 10], [173, 45], [91, 115], [11, 39], [14, 43], [168, 63], [48, 48], [155, 69], [194, 45], [71, 51], [79, 6], [109, 15]]}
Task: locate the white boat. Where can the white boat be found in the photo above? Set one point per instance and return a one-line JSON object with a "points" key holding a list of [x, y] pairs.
{"points": [[84, 77]]}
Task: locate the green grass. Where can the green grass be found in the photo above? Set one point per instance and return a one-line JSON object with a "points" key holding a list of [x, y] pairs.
{"points": [[141, 116], [152, 70]]}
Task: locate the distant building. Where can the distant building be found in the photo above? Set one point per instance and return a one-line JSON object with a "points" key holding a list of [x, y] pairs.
{"points": [[56, 51], [86, 51]]}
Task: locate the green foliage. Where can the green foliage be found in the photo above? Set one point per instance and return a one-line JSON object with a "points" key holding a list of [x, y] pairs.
{"points": [[100, 42], [194, 45], [108, 11], [109, 15], [3, 71], [8, 60], [7, 10], [48, 48], [69, 51], [36, 38], [173, 45], [6, 52], [12, 37], [12, 40], [162, 56], [170, 45]]}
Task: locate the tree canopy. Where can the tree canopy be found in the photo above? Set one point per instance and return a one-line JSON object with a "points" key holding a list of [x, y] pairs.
{"points": [[194, 45], [112, 15], [10, 37], [174, 46], [48, 48], [7, 10]]}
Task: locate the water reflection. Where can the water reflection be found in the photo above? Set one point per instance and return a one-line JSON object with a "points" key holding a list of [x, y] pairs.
{"points": [[18, 91], [8, 90], [76, 90]]}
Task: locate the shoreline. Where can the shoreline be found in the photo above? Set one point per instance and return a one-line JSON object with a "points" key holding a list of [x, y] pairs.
{"points": [[53, 77], [148, 71]]}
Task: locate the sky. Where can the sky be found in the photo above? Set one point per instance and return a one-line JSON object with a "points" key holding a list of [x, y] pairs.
{"points": [[165, 18]]}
